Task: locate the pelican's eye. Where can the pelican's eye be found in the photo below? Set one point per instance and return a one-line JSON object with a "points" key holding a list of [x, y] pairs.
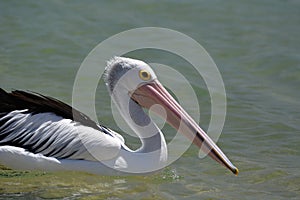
{"points": [[145, 75]]}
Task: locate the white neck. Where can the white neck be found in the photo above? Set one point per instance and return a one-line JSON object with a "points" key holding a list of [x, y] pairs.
{"points": [[152, 155]]}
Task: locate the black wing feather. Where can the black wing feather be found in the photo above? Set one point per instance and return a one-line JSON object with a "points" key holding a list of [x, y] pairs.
{"points": [[38, 103]]}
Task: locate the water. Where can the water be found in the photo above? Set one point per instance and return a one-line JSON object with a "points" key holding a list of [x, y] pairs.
{"points": [[255, 44]]}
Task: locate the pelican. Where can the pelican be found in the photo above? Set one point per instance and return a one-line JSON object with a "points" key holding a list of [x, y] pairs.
{"points": [[38, 132]]}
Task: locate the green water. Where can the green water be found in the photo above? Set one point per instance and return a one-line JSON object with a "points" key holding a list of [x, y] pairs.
{"points": [[255, 45]]}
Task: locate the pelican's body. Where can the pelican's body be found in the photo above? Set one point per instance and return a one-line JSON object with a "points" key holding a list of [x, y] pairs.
{"points": [[39, 132]]}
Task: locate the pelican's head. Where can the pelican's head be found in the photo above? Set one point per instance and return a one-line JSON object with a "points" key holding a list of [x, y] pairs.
{"points": [[137, 73], [136, 79]]}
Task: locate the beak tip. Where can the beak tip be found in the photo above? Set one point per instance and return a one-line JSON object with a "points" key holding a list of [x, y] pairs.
{"points": [[235, 171]]}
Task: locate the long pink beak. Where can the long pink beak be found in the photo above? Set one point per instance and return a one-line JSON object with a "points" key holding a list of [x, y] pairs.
{"points": [[153, 93]]}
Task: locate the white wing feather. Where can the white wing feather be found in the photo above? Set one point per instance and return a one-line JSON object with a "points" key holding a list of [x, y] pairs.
{"points": [[53, 136]]}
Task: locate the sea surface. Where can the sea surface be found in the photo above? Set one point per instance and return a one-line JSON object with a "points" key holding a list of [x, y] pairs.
{"points": [[256, 46]]}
